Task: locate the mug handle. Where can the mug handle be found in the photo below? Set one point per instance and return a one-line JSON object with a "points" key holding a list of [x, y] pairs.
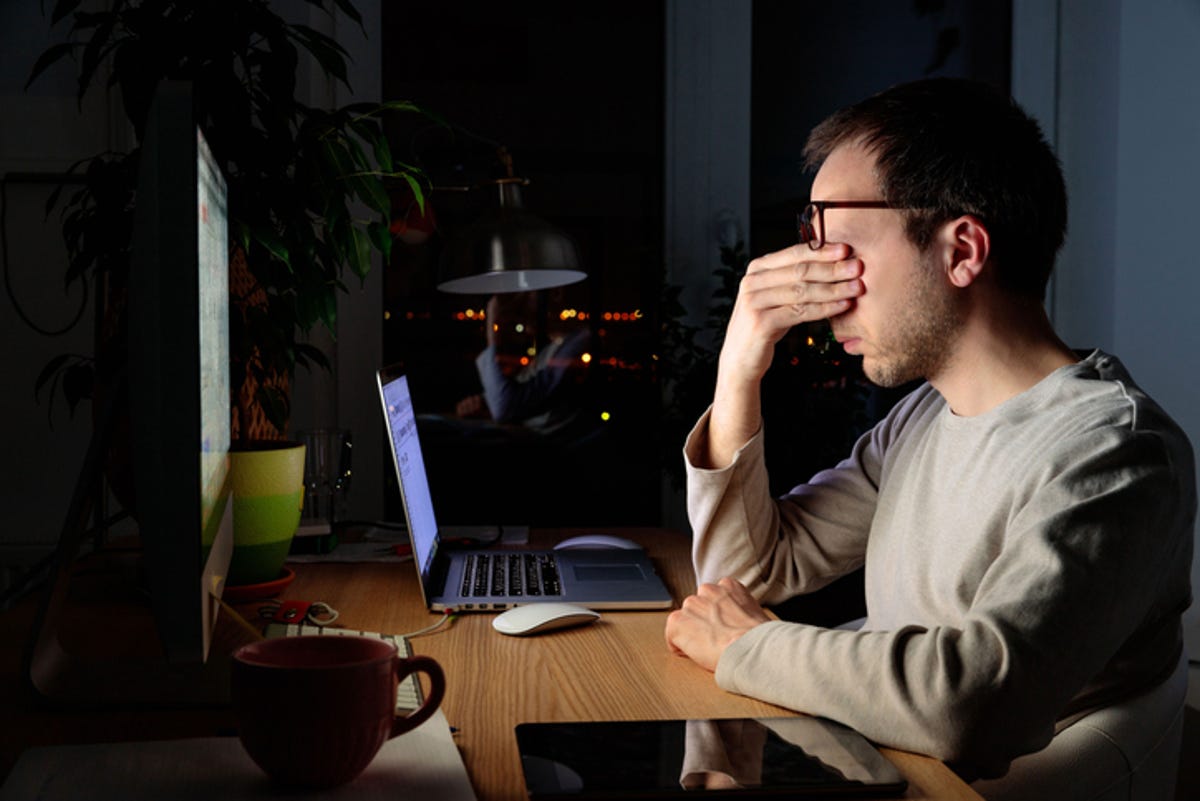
{"points": [[403, 667]]}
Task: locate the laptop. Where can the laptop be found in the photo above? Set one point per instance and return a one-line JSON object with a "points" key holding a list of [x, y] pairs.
{"points": [[499, 578]]}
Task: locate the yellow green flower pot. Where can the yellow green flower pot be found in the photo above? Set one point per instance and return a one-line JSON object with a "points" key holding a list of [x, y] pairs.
{"points": [[268, 492]]}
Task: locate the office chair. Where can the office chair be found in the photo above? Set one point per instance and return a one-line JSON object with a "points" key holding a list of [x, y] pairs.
{"points": [[1125, 752]]}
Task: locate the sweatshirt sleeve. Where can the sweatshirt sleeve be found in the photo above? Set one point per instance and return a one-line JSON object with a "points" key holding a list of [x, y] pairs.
{"points": [[779, 548]]}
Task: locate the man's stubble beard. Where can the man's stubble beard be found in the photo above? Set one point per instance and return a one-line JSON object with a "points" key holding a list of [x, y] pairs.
{"points": [[919, 341]]}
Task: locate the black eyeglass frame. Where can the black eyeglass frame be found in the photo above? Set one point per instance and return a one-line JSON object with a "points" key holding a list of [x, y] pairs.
{"points": [[816, 209]]}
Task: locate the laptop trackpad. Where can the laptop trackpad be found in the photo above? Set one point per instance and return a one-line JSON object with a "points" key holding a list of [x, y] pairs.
{"points": [[607, 573]]}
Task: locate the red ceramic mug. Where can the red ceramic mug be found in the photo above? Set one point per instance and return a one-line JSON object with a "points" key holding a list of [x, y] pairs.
{"points": [[313, 711]]}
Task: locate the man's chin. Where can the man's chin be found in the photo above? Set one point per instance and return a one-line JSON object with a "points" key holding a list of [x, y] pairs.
{"points": [[887, 376]]}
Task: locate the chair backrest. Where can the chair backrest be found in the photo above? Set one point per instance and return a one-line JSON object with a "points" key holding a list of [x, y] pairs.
{"points": [[1125, 752]]}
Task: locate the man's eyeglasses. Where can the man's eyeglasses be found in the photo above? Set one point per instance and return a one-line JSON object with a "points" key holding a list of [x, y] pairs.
{"points": [[810, 223]]}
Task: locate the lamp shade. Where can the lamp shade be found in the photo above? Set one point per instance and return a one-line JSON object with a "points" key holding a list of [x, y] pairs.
{"points": [[508, 249]]}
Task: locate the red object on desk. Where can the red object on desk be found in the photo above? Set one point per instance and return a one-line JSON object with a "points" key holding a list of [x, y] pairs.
{"points": [[291, 611]]}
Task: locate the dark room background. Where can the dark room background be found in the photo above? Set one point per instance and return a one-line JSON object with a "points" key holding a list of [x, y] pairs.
{"points": [[575, 94]]}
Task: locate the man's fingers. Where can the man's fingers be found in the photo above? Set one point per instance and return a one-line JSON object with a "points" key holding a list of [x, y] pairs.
{"points": [[746, 603], [797, 276], [707, 591], [797, 254], [734, 586], [777, 320], [711, 619], [670, 630], [801, 293], [737, 592], [805, 291]]}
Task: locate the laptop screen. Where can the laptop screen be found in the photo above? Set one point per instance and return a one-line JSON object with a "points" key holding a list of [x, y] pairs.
{"points": [[410, 471]]}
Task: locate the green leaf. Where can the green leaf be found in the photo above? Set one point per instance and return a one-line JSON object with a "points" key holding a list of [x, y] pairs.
{"points": [[52, 200], [93, 54], [329, 308], [77, 384], [372, 192], [275, 406], [48, 372], [354, 149], [415, 186], [45, 60], [312, 35], [92, 19], [338, 236], [271, 241], [306, 353], [360, 257], [241, 234], [383, 154], [350, 11], [321, 4], [381, 238], [328, 53], [337, 157], [405, 105], [50, 405], [63, 9]]}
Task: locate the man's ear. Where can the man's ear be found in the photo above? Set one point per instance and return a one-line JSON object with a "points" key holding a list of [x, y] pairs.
{"points": [[967, 244]]}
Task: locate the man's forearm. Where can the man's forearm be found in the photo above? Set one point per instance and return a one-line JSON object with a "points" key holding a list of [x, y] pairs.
{"points": [[736, 417]]}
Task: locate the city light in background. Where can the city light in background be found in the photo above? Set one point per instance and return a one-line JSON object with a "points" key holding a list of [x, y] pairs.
{"points": [[476, 316]]}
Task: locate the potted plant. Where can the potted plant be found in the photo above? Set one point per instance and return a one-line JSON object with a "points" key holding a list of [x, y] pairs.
{"points": [[298, 179], [296, 176]]}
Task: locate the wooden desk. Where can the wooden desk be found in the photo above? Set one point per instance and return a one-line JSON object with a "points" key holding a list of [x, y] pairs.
{"points": [[618, 668]]}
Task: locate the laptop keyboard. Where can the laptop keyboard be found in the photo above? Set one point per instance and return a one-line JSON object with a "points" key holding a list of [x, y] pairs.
{"points": [[514, 575]]}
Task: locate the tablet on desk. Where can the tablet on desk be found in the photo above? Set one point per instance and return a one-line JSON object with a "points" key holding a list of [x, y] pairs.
{"points": [[739, 757]]}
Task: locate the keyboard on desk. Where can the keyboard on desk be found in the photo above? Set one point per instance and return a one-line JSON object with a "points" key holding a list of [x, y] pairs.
{"points": [[515, 575], [408, 692]]}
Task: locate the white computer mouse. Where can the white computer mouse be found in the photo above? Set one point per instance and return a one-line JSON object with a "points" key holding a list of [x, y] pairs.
{"points": [[597, 541], [538, 617]]}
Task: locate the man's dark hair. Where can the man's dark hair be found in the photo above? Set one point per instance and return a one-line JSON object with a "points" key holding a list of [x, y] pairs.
{"points": [[946, 147]]}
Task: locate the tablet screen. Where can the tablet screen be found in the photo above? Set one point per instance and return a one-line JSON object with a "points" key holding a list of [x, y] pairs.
{"points": [[797, 757]]}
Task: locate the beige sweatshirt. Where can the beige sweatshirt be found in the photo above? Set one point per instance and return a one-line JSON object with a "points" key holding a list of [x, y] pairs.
{"points": [[1022, 565]]}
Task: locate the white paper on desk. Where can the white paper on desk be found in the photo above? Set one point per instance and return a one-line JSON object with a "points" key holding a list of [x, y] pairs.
{"points": [[354, 552], [424, 763]]}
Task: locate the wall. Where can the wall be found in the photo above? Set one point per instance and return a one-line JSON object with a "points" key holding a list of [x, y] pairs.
{"points": [[1126, 108], [707, 154], [346, 397], [40, 137], [1157, 278]]}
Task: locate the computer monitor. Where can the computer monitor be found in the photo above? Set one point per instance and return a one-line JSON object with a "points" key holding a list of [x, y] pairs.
{"points": [[177, 383], [179, 379]]}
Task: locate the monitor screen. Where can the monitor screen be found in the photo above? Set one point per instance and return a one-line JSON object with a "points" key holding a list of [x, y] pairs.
{"points": [[410, 470], [212, 284]]}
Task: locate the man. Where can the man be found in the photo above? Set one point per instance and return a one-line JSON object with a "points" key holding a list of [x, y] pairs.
{"points": [[1024, 517], [544, 394]]}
